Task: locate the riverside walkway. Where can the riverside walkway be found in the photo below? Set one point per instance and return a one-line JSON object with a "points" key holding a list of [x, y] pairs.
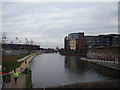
{"points": [[21, 82]]}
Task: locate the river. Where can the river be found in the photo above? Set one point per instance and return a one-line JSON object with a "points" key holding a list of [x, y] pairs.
{"points": [[50, 70]]}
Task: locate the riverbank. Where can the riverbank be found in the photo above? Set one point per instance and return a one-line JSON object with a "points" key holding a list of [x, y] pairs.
{"points": [[115, 83], [108, 64], [21, 82]]}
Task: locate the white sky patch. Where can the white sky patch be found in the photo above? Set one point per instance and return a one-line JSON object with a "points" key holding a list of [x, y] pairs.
{"points": [[59, 0], [48, 23]]}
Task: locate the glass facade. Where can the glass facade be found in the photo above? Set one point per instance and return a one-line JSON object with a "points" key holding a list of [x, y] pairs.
{"points": [[73, 36], [79, 38]]}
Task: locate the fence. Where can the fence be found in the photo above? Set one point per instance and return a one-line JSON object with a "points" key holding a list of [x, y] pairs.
{"points": [[14, 52]]}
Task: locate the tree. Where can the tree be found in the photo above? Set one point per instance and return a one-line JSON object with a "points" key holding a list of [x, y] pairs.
{"points": [[4, 37]]}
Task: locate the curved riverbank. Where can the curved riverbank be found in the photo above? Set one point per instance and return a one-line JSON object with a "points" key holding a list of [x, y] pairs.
{"points": [[108, 64]]}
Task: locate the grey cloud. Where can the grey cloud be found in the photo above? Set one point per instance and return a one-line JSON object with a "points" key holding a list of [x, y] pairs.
{"points": [[49, 23]]}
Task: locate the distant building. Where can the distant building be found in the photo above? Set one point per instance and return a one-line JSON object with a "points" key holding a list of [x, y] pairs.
{"points": [[102, 40], [81, 41], [91, 41], [19, 47], [75, 41], [66, 43], [109, 40], [74, 36], [73, 44]]}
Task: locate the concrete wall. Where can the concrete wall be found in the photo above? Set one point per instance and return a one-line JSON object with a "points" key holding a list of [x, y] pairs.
{"points": [[106, 53], [109, 64]]}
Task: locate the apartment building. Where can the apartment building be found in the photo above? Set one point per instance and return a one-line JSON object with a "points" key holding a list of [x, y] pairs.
{"points": [[83, 42], [75, 41]]}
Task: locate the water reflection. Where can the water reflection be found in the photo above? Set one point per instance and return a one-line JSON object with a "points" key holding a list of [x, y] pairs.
{"points": [[54, 70], [74, 65], [80, 71], [105, 72]]}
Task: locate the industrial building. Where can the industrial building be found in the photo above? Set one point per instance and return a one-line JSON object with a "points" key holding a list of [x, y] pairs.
{"points": [[19, 47], [16, 49]]}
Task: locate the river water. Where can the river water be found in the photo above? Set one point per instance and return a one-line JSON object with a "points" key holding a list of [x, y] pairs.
{"points": [[50, 70]]}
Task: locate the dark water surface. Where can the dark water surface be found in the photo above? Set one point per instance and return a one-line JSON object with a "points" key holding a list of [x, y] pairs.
{"points": [[54, 70]]}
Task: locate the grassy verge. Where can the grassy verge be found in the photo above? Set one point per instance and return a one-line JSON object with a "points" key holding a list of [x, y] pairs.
{"points": [[20, 56], [10, 62], [28, 79]]}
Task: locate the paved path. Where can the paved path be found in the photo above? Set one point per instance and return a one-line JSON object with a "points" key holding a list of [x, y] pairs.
{"points": [[23, 65], [21, 82]]}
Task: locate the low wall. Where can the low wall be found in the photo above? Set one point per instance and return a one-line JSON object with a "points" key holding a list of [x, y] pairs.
{"points": [[105, 53], [109, 64]]}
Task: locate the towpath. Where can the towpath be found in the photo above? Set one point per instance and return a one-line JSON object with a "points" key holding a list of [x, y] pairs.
{"points": [[22, 77]]}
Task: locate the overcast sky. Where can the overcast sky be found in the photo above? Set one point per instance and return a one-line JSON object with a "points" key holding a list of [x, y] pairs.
{"points": [[48, 23]]}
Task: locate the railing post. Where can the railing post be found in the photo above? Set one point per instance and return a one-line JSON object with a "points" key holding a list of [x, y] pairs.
{"points": [[6, 78]]}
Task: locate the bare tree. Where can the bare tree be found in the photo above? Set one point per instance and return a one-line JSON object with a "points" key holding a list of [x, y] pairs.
{"points": [[26, 41], [4, 37]]}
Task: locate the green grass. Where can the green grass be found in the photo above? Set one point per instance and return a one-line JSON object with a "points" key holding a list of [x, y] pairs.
{"points": [[10, 62], [28, 79], [11, 67], [20, 56]]}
